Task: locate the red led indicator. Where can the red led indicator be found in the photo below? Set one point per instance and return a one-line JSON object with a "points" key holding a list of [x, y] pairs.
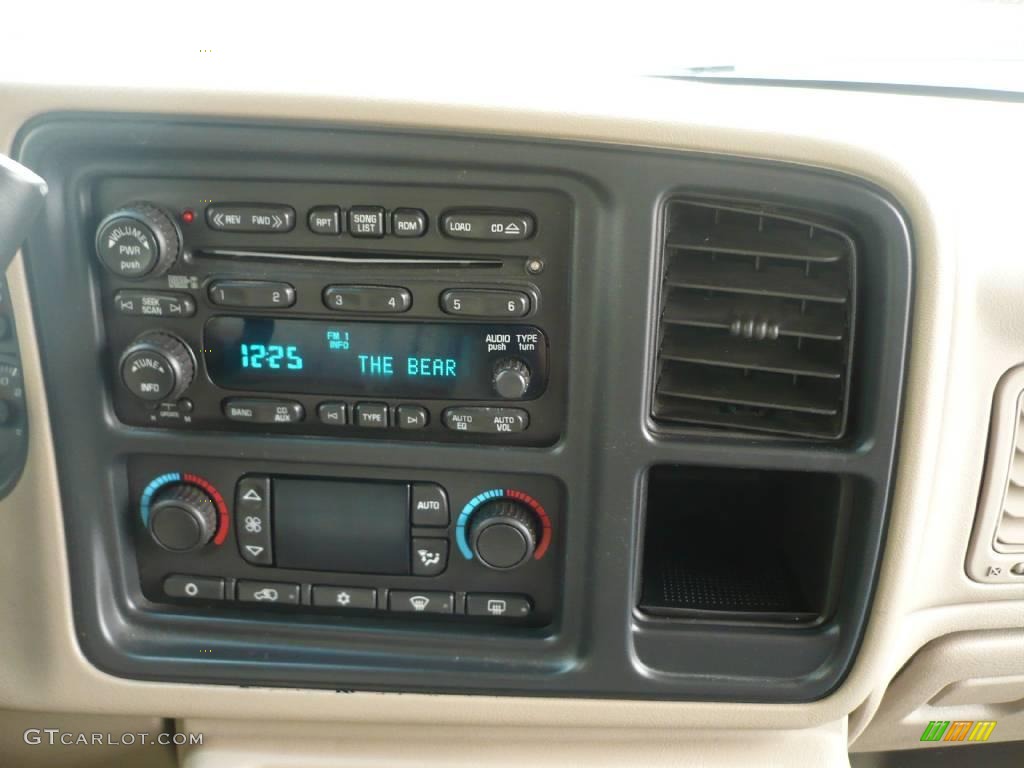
{"points": [[188, 216]]}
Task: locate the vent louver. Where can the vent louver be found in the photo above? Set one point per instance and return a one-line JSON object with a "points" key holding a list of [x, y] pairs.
{"points": [[1010, 528], [756, 327]]}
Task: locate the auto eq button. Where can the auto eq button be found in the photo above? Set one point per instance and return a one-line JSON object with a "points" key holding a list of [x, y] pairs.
{"points": [[486, 420]]}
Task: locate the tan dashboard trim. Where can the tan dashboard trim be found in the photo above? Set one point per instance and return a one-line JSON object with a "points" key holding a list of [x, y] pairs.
{"points": [[890, 140]]}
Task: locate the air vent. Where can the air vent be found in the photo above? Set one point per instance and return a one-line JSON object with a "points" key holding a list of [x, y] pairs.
{"points": [[756, 330], [1010, 528]]}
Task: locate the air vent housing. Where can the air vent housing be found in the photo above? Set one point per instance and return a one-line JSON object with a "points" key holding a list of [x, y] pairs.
{"points": [[757, 319]]}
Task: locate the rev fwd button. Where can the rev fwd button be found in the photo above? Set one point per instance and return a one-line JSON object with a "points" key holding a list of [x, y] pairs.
{"points": [[250, 218]]}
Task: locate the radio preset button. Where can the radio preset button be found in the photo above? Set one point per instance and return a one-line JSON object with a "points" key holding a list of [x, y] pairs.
{"points": [[371, 415], [153, 304], [429, 556], [487, 225], [408, 222], [252, 520], [485, 303], [486, 420], [366, 221], [411, 417], [345, 598], [332, 414], [325, 220], [268, 592], [498, 606], [259, 411], [367, 298], [251, 293], [421, 602], [429, 505], [194, 587], [250, 218]]}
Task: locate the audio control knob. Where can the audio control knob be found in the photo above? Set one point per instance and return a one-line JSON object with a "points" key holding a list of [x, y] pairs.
{"points": [[182, 517], [138, 241], [503, 534], [157, 366], [511, 378]]}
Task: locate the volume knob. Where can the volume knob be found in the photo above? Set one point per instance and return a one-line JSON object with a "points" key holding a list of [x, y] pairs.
{"points": [[157, 366], [182, 518], [138, 241]]}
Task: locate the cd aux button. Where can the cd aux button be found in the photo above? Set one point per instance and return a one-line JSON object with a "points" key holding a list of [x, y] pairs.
{"points": [[260, 411]]}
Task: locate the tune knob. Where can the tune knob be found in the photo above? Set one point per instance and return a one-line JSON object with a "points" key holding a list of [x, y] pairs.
{"points": [[138, 241], [182, 517], [503, 534], [157, 366], [511, 378]]}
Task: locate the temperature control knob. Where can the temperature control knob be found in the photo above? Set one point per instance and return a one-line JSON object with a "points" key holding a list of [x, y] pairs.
{"points": [[157, 366], [511, 378], [503, 534], [182, 517], [138, 241]]}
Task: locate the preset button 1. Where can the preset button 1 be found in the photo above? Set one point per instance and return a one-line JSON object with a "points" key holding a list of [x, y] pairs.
{"points": [[251, 293]]}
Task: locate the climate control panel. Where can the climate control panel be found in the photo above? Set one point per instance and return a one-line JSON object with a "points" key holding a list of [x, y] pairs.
{"points": [[354, 543]]}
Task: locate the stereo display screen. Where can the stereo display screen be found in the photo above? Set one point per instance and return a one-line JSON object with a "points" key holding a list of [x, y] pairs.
{"points": [[452, 361]]}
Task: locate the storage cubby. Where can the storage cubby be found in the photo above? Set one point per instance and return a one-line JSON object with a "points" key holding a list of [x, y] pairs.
{"points": [[740, 544]]}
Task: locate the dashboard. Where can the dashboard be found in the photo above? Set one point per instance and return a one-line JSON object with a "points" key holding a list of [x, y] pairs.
{"points": [[645, 418]]}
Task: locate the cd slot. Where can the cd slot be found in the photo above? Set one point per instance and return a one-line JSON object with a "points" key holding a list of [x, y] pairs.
{"points": [[341, 257]]}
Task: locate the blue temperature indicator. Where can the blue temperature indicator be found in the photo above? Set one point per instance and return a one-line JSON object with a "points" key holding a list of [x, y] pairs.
{"points": [[271, 356]]}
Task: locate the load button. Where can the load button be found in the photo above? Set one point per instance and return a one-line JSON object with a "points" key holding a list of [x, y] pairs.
{"points": [[485, 420], [487, 225]]}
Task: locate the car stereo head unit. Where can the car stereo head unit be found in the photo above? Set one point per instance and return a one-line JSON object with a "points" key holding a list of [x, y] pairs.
{"points": [[334, 309]]}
